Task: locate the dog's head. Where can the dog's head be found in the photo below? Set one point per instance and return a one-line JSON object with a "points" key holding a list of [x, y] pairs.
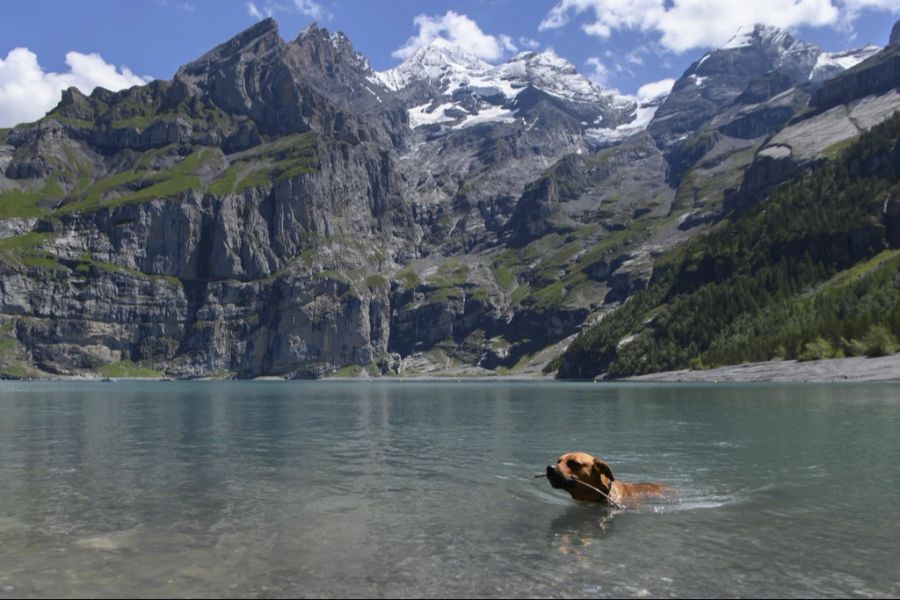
{"points": [[581, 466]]}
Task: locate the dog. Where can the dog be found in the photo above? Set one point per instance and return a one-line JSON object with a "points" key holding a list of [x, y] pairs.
{"points": [[575, 469]]}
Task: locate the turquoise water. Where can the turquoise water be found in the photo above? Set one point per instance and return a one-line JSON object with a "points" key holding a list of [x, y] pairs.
{"points": [[427, 489]]}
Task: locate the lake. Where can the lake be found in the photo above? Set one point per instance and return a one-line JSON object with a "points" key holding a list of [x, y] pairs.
{"points": [[346, 489]]}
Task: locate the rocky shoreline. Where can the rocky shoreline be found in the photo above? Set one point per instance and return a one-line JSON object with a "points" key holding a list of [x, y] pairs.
{"points": [[881, 369], [860, 369]]}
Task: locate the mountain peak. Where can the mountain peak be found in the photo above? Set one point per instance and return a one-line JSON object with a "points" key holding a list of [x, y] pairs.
{"points": [[755, 50], [310, 29], [830, 64], [552, 73], [439, 60], [452, 67], [263, 31], [441, 52], [314, 32], [759, 34], [257, 39], [546, 58], [315, 35]]}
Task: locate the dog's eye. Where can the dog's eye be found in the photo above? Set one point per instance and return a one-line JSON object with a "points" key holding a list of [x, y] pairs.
{"points": [[573, 464]]}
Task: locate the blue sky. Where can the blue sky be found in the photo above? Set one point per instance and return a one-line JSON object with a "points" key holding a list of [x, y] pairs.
{"points": [[621, 43]]}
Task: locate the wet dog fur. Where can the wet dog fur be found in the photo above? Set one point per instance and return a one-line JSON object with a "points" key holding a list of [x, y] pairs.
{"points": [[596, 472]]}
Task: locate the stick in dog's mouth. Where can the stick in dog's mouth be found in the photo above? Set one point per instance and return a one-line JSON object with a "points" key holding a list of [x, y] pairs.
{"points": [[574, 481]]}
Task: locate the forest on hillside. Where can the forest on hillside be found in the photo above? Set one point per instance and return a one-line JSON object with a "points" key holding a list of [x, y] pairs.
{"points": [[811, 272]]}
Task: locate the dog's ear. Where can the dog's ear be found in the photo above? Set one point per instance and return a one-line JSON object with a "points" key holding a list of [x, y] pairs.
{"points": [[601, 468]]}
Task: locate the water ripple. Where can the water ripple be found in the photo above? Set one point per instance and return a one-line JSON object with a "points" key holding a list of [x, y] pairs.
{"points": [[345, 490]]}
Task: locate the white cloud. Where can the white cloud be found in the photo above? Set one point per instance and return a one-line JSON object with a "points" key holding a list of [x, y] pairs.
{"points": [[693, 23], [460, 30], [852, 8], [507, 43], [27, 92], [599, 73], [687, 24], [858, 5], [307, 8], [610, 14], [255, 13], [635, 56], [311, 9], [185, 6], [655, 89], [527, 42]]}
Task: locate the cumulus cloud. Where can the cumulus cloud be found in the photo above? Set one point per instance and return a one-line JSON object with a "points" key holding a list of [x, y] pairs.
{"points": [[458, 29], [27, 92], [687, 24], [610, 14]]}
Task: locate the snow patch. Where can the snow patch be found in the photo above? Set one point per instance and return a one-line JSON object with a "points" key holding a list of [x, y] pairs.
{"points": [[830, 64], [488, 115], [650, 97], [439, 61], [453, 68], [377, 97], [741, 39], [778, 152], [605, 135], [764, 35], [420, 115]]}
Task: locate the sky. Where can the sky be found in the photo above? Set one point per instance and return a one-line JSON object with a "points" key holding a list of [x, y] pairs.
{"points": [[620, 44]]}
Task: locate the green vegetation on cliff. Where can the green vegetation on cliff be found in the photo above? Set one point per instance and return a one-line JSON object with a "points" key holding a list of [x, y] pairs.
{"points": [[21, 203], [146, 180], [27, 250], [286, 158], [808, 273], [140, 186]]}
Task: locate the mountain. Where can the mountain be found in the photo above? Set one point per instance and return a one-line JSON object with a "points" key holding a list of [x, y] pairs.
{"points": [[812, 273], [482, 132], [280, 208], [805, 267], [721, 76], [447, 88], [830, 64]]}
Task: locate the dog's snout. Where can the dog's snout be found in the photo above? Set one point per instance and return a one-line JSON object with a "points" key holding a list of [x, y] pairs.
{"points": [[550, 471]]}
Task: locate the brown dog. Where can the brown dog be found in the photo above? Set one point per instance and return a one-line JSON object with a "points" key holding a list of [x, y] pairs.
{"points": [[575, 469]]}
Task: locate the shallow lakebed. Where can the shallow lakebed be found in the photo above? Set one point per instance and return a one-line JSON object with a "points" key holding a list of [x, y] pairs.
{"points": [[347, 489]]}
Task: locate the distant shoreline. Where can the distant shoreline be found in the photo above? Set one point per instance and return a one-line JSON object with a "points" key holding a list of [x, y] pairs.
{"points": [[885, 369], [835, 370]]}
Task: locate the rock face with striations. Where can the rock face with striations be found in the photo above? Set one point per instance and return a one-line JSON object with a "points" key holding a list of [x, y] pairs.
{"points": [[841, 108], [279, 208], [877, 75]]}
